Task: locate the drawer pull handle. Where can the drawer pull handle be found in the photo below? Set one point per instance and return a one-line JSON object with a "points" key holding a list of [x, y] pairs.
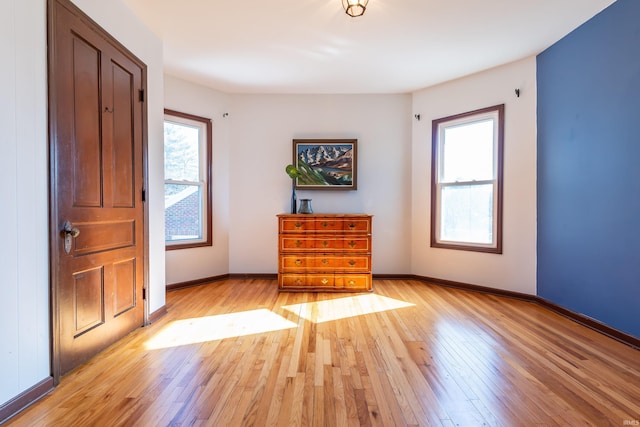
{"points": [[352, 282], [325, 243], [352, 263], [298, 262], [299, 282], [298, 224], [325, 262], [324, 281], [352, 244], [325, 224], [298, 243], [352, 226]]}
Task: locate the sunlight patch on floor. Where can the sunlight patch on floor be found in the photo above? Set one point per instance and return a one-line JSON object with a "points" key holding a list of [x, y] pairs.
{"points": [[341, 308], [211, 328]]}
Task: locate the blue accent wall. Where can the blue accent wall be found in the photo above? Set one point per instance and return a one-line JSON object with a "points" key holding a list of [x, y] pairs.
{"points": [[589, 169]]}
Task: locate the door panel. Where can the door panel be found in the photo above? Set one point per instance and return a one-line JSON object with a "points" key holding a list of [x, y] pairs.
{"points": [[123, 149], [88, 287], [85, 152], [97, 183], [100, 236], [124, 297]]}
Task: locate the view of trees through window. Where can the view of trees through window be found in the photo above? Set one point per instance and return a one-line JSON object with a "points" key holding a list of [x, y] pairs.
{"points": [[185, 171]]}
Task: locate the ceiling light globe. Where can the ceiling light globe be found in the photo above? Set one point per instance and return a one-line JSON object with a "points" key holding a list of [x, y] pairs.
{"points": [[355, 8]]}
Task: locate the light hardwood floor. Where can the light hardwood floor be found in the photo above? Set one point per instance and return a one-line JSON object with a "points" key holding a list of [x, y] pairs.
{"points": [[238, 353]]}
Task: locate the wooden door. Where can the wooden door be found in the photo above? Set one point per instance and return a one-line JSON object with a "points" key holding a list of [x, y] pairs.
{"points": [[96, 98]]}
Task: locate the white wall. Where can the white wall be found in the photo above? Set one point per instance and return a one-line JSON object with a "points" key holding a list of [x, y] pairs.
{"points": [[250, 150], [515, 269], [24, 286], [199, 263], [263, 127]]}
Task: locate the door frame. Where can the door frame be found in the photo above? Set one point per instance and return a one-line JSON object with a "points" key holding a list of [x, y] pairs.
{"points": [[54, 227]]}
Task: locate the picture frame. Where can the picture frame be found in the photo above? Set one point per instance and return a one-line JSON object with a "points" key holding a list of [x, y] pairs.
{"points": [[326, 164]]}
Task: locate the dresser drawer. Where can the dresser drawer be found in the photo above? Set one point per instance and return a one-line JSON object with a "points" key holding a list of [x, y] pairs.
{"points": [[295, 263], [340, 263], [357, 225], [355, 263], [341, 244], [299, 242], [328, 244], [303, 263], [297, 225], [296, 243], [328, 225], [326, 282], [304, 281], [356, 282], [323, 262], [357, 244], [302, 224]]}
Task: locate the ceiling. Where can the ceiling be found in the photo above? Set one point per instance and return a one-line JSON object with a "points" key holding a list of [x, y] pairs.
{"points": [[312, 46]]}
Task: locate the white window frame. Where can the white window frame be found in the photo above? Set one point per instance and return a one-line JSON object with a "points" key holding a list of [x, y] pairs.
{"points": [[496, 114], [204, 127]]}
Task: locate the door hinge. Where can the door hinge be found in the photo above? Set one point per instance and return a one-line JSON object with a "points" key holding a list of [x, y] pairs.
{"points": [[144, 195], [141, 95], [144, 293]]}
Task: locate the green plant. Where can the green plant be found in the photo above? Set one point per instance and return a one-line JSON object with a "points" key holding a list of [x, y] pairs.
{"points": [[292, 171]]}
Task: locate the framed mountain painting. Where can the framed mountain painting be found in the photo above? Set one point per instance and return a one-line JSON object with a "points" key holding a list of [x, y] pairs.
{"points": [[325, 164]]}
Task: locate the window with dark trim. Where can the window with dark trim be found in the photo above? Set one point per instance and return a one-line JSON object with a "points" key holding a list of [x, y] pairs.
{"points": [[187, 180], [466, 180]]}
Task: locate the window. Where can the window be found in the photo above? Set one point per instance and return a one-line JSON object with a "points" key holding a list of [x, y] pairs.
{"points": [[466, 181], [187, 180]]}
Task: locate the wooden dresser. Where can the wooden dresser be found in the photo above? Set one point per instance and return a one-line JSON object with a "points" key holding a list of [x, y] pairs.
{"points": [[324, 252]]}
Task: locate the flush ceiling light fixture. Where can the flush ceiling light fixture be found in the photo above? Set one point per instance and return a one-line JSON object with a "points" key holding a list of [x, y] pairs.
{"points": [[355, 7]]}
